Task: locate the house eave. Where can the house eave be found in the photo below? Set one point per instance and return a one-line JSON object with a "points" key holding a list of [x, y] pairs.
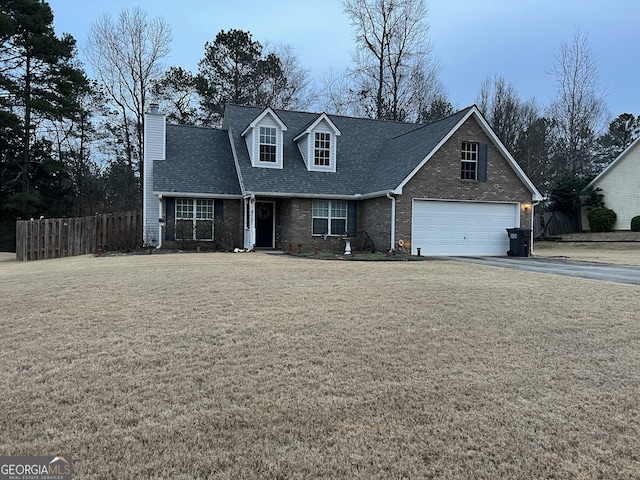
{"points": [[327, 196], [197, 195]]}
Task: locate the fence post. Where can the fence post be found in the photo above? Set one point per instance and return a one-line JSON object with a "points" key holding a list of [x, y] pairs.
{"points": [[19, 241]]}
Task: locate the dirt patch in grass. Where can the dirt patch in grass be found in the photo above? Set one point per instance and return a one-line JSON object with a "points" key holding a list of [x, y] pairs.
{"points": [[256, 366]]}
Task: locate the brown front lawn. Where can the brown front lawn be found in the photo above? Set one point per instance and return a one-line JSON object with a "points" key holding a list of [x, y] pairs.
{"points": [[256, 366], [619, 252]]}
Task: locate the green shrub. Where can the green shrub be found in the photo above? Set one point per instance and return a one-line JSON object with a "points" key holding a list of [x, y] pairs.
{"points": [[601, 219], [635, 224]]}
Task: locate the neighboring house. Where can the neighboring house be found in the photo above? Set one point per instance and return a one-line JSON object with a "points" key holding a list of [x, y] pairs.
{"points": [[620, 184], [294, 180]]}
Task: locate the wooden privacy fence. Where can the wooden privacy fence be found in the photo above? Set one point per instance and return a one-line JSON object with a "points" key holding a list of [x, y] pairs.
{"points": [[66, 237], [551, 224]]}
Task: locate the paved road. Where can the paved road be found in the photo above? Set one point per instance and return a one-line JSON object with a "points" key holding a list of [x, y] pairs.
{"points": [[596, 271]]}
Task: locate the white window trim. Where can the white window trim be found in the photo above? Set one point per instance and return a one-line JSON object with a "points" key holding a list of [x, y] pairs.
{"points": [[474, 161], [322, 149], [261, 143], [194, 218], [330, 217]]}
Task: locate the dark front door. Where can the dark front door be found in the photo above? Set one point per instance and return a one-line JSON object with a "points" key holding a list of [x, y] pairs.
{"points": [[264, 224]]}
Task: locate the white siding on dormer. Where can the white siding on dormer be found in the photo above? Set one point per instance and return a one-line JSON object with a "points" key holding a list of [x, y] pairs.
{"points": [[303, 146], [252, 139], [248, 140]]}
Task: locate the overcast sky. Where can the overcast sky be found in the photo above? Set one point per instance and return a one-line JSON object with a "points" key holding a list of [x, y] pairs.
{"points": [[472, 39]]}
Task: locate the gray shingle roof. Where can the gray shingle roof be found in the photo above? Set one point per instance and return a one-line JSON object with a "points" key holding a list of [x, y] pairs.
{"points": [[402, 154], [198, 160], [372, 156]]}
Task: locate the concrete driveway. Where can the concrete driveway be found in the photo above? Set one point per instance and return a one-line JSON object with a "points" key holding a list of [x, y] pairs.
{"points": [[596, 271]]}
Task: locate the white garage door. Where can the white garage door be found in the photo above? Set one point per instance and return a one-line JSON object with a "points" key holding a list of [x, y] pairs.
{"points": [[462, 228]]}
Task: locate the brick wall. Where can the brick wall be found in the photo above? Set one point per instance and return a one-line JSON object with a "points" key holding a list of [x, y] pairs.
{"points": [[374, 217], [440, 179], [294, 220], [232, 213]]}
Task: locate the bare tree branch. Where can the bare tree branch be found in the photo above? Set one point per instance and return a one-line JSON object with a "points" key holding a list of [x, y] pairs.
{"points": [[126, 54]]}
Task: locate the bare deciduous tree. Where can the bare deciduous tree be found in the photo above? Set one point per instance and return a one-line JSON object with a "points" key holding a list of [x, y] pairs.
{"points": [[393, 59], [339, 96], [126, 55], [579, 106], [177, 94], [506, 113], [297, 93]]}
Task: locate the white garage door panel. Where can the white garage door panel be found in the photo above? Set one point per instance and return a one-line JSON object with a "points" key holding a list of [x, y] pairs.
{"points": [[462, 228]]}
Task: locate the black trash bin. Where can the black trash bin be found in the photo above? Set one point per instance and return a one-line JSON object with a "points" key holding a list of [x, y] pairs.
{"points": [[518, 242]]}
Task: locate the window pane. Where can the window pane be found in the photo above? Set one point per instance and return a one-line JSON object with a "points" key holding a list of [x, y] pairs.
{"points": [[339, 209], [184, 229], [320, 226], [267, 153], [267, 144], [338, 226], [204, 209], [204, 229], [268, 135], [320, 208], [468, 171], [322, 149], [184, 208], [469, 157]]}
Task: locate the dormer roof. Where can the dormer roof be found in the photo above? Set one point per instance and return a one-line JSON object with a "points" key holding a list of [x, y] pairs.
{"points": [[314, 123], [256, 121]]}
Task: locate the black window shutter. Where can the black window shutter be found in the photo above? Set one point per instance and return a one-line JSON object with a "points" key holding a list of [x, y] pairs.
{"points": [[482, 162], [352, 219], [218, 209], [171, 219]]}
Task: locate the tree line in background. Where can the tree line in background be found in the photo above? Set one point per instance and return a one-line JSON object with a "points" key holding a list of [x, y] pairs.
{"points": [[71, 144]]}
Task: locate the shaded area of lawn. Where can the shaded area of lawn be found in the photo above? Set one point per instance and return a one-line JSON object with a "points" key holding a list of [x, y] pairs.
{"points": [[360, 256]]}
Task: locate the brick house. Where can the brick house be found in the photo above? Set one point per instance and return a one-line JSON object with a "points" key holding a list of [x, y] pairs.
{"points": [[286, 180]]}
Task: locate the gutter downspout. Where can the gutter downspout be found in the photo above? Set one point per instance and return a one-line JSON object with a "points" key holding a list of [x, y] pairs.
{"points": [[249, 241], [160, 223], [533, 206], [393, 220]]}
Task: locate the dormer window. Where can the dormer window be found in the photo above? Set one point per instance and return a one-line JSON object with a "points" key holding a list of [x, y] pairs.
{"points": [[317, 144], [322, 151], [268, 144], [264, 138]]}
